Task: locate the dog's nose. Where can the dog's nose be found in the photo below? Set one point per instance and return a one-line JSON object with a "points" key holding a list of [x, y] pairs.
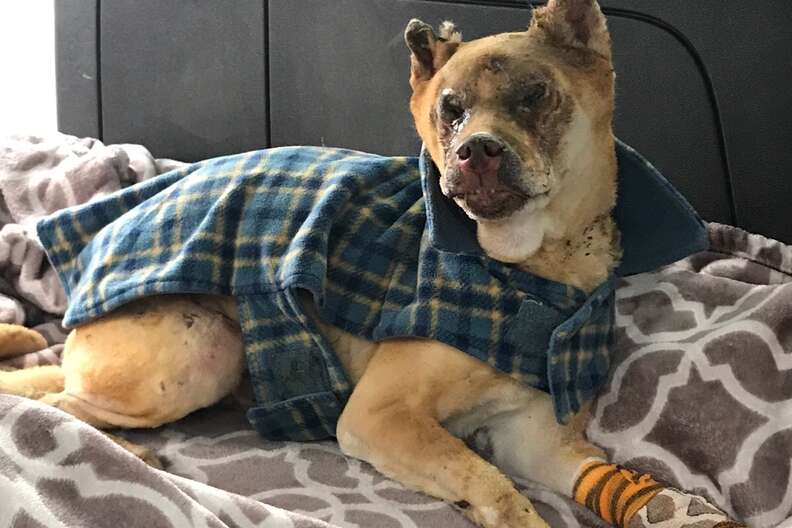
{"points": [[479, 147], [479, 158]]}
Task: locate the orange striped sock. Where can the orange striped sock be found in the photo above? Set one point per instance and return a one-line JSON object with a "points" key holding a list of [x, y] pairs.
{"points": [[612, 492]]}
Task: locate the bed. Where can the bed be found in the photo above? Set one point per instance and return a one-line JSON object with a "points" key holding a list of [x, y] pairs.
{"points": [[700, 391]]}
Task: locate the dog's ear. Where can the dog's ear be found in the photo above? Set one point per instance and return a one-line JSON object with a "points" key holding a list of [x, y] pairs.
{"points": [[428, 51], [576, 23]]}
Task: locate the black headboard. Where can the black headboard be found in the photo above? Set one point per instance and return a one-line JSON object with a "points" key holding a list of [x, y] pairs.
{"points": [[704, 87]]}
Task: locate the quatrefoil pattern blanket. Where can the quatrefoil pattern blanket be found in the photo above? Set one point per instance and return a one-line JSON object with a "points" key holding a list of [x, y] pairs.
{"points": [[700, 394]]}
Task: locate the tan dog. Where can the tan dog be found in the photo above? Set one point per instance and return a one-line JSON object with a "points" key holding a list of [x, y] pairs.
{"points": [[519, 125]]}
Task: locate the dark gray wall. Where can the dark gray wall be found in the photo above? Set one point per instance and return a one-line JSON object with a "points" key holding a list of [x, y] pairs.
{"points": [[186, 78], [747, 47], [76, 67]]}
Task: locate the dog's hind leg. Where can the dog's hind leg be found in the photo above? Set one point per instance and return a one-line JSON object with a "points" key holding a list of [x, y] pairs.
{"points": [[33, 382], [45, 383], [147, 455], [16, 340], [151, 362]]}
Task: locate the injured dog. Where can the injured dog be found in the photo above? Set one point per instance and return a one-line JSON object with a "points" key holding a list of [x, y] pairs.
{"points": [[519, 129]]}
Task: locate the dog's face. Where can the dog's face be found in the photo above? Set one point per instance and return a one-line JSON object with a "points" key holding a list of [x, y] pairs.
{"points": [[512, 120]]}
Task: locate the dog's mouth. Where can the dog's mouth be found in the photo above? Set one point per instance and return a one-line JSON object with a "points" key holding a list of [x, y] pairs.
{"points": [[495, 203], [488, 180]]}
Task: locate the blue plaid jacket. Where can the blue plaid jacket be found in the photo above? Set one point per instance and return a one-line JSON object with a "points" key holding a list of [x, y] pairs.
{"points": [[351, 229]]}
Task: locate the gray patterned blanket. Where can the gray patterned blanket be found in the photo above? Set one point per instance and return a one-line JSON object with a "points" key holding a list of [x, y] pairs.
{"points": [[700, 394]]}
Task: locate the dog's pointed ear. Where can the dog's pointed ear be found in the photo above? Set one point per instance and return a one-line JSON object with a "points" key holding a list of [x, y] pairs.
{"points": [[429, 51], [575, 23]]}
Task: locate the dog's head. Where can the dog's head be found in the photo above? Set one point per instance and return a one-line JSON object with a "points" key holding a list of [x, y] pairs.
{"points": [[519, 124]]}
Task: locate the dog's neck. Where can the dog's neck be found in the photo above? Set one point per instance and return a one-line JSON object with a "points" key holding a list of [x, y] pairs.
{"points": [[583, 259], [574, 239]]}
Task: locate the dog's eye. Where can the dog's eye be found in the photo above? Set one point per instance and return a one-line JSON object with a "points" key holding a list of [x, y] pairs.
{"points": [[532, 95], [450, 108]]}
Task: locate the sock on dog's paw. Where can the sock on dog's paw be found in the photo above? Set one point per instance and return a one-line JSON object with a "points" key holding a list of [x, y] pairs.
{"points": [[627, 499]]}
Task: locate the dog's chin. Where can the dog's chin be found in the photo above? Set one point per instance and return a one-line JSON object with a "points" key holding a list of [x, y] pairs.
{"points": [[496, 206]]}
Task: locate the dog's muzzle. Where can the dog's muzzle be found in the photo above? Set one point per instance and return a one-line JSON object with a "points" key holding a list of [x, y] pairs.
{"points": [[484, 172]]}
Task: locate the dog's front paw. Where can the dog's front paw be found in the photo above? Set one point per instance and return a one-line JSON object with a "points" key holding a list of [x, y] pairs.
{"points": [[672, 508]]}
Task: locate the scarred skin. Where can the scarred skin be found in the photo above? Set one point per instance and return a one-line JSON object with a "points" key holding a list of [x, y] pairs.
{"points": [[546, 97]]}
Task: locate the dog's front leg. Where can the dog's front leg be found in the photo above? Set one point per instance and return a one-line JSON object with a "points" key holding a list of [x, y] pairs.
{"points": [[391, 422], [526, 441]]}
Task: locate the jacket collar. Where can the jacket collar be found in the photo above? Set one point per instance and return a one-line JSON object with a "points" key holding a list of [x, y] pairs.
{"points": [[658, 226]]}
